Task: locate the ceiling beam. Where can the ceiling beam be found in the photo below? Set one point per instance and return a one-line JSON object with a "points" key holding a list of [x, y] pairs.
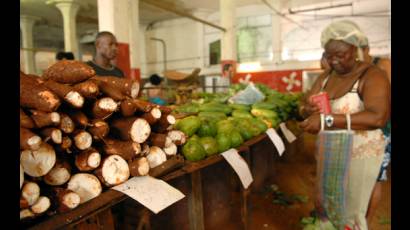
{"points": [[181, 13]]}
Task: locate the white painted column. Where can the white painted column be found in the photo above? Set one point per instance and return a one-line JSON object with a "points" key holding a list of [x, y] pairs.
{"points": [[26, 26], [113, 16], [228, 41], [134, 38], [69, 9], [276, 34], [143, 54]]}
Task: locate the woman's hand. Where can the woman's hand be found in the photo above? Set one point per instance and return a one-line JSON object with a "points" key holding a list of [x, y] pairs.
{"points": [[309, 108], [311, 124]]}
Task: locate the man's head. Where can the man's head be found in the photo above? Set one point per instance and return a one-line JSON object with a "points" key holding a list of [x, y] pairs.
{"points": [[155, 79], [106, 45]]}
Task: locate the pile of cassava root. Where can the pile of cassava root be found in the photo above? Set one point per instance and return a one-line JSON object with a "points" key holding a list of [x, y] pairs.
{"points": [[81, 133]]}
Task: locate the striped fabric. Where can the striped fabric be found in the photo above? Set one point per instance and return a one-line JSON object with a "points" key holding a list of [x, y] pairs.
{"points": [[334, 152]]}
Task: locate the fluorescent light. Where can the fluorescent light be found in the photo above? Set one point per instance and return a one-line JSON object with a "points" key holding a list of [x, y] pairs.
{"points": [[249, 67]]}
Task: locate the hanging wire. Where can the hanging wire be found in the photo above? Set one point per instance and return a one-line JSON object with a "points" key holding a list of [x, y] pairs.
{"points": [[283, 15]]}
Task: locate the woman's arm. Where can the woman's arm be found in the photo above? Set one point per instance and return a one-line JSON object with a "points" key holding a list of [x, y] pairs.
{"points": [[376, 98], [385, 65]]}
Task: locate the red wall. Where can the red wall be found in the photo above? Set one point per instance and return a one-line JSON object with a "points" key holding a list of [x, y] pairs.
{"points": [[283, 81]]}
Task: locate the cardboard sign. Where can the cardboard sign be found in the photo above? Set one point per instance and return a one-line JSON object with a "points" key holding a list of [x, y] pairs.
{"points": [[153, 193], [287, 133], [239, 165], [276, 140]]}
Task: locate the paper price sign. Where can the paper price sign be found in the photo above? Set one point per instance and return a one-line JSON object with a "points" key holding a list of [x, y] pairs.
{"points": [[287, 133], [239, 165], [153, 193], [276, 140]]}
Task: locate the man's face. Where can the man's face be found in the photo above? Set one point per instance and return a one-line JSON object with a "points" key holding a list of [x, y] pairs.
{"points": [[340, 56], [107, 46]]}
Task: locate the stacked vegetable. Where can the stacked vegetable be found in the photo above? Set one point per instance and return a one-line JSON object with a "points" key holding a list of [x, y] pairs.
{"points": [[81, 133], [215, 126]]}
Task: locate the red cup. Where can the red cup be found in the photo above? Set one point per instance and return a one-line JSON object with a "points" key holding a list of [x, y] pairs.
{"points": [[322, 101]]}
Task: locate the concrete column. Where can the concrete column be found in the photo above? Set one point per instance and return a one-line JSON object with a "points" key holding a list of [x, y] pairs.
{"points": [[69, 9], [134, 38], [113, 16], [143, 51], [276, 34], [26, 26], [228, 42]]}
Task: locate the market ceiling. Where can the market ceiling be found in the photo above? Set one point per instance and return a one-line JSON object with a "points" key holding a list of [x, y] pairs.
{"points": [[49, 30]]}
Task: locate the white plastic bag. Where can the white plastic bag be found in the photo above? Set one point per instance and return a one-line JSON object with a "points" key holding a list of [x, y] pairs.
{"points": [[248, 96]]}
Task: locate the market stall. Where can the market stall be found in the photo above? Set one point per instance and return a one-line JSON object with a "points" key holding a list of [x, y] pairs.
{"points": [[83, 136], [225, 198]]}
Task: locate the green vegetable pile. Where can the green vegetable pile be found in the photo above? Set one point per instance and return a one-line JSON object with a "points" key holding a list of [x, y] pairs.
{"points": [[215, 126], [212, 134]]}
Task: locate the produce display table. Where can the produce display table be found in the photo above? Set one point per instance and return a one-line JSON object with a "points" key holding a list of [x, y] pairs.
{"points": [[211, 179]]}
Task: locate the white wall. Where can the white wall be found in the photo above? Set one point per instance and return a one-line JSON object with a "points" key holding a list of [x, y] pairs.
{"points": [[182, 38], [304, 43], [188, 41]]}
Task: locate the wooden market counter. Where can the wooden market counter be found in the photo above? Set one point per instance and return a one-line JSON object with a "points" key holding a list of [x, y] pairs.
{"points": [[211, 180]]}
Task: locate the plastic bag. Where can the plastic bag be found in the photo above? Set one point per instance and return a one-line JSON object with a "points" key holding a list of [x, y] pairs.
{"points": [[248, 96]]}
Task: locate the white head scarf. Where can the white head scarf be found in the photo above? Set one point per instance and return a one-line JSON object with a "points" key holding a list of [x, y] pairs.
{"points": [[346, 31]]}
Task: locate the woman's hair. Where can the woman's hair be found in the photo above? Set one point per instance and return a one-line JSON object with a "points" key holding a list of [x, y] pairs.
{"points": [[155, 79], [346, 31]]}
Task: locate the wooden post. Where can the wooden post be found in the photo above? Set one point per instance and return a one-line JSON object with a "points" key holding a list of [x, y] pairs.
{"points": [[102, 220], [144, 223], [106, 220], [195, 207], [244, 195]]}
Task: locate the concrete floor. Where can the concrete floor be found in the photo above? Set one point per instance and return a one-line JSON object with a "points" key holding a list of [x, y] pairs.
{"points": [[295, 174]]}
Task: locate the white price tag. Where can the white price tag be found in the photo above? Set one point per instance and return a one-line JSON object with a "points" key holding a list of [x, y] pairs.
{"points": [[239, 165], [276, 140], [287, 133], [153, 193]]}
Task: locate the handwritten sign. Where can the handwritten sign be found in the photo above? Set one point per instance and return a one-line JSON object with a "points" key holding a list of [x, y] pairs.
{"points": [[276, 140], [287, 133], [239, 165], [153, 193]]}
